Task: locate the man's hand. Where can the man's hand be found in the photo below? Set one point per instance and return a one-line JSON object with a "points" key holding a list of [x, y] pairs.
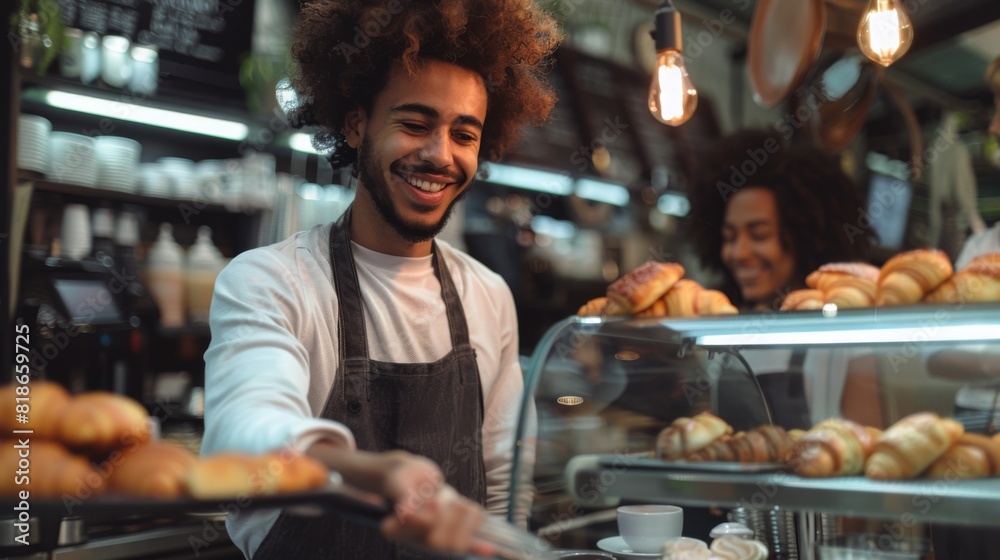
{"points": [[427, 511]]}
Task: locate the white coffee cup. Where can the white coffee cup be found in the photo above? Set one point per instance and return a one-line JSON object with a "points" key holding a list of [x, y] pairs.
{"points": [[645, 528]]}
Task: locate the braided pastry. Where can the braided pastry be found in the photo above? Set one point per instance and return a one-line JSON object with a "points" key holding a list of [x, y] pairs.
{"points": [[977, 282], [908, 277], [638, 289], [910, 445], [800, 300]]}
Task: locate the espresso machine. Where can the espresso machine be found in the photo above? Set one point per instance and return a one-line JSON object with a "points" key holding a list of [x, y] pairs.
{"points": [[90, 321]]}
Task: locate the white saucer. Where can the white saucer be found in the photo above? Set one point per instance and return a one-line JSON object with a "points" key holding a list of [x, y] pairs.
{"points": [[617, 546]]}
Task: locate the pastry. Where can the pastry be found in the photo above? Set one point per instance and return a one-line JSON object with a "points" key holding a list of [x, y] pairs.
{"points": [[638, 289], [823, 276], [593, 308], [53, 472], [44, 402], [766, 444], [799, 300], [834, 447], [985, 258], [151, 470], [735, 548], [99, 422], [908, 277], [685, 435], [682, 299], [973, 456], [910, 445], [685, 549], [228, 475], [977, 282], [658, 309], [714, 302]]}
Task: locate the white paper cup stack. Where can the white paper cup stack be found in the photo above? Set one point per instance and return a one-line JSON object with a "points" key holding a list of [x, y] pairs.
{"points": [[73, 159], [76, 242], [117, 163], [33, 143], [154, 181]]}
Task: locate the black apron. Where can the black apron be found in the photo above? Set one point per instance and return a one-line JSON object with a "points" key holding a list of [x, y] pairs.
{"points": [[432, 409]]}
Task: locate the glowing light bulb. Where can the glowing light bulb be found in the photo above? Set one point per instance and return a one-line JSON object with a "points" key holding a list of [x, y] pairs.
{"points": [[885, 33], [672, 97]]}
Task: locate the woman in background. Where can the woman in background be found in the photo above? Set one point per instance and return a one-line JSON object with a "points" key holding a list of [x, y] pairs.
{"points": [[766, 214]]}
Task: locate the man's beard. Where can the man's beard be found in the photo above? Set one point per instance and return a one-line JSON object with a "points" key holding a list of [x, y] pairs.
{"points": [[373, 181]]}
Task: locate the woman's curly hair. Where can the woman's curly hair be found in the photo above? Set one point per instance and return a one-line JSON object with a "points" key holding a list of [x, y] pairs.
{"points": [[818, 204], [344, 50]]}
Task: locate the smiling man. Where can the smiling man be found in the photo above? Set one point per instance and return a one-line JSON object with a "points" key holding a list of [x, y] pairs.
{"points": [[365, 343]]}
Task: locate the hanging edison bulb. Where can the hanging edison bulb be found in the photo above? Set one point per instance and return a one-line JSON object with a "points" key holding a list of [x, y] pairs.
{"points": [[672, 96], [885, 33]]}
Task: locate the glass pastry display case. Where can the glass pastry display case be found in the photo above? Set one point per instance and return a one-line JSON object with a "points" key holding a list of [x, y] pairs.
{"points": [[602, 395]]}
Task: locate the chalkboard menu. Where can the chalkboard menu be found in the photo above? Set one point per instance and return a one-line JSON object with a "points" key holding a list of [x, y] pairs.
{"points": [[199, 40]]}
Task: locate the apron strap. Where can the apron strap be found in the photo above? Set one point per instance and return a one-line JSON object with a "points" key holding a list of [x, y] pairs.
{"points": [[453, 304], [351, 333]]}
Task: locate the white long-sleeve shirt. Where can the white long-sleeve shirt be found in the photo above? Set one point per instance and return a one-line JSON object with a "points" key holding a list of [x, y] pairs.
{"points": [[274, 351]]}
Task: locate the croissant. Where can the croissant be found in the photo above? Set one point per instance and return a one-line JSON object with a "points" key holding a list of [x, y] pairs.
{"points": [[985, 258], [228, 475], [99, 422], [152, 470], [682, 299], [658, 309], [766, 444], [638, 289], [824, 276], [834, 447], [714, 302], [54, 472], [910, 445], [973, 456], [685, 435], [800, 300], [976, 282], [45, 402], [849, 292], [908, 277], [593, 308]]}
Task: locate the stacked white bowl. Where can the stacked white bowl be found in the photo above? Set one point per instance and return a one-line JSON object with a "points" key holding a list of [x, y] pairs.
{"points": [[33, 143], [117, 162], [153, 181], [183, 177], [73, 159]]}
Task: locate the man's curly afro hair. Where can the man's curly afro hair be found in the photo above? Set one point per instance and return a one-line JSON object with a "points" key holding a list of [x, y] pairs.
{"points": [[344, 50]]}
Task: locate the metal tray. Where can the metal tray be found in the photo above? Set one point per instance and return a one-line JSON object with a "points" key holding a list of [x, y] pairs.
{"points": [[615, 461]]}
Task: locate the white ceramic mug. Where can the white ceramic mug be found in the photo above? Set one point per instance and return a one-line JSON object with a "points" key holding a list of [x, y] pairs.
{"points": [[645, 528]]}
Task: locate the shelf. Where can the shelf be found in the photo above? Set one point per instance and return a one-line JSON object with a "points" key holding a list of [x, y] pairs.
{"points": [[968, 502], [869, 326], [81, 192]]}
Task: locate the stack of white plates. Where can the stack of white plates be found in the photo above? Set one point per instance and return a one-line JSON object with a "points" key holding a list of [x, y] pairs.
{"points": [[183, 177], [73, 159], [33, 143], [117, 163], [153, 181]]}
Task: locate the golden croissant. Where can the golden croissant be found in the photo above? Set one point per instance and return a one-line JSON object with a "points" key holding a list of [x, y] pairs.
{"points": [[799, 300], [908, 277], [686, 435], [637, 290], [910, 445], [682, 299], [834, 447], [977, 282], [973, 456], [714, 302]]}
